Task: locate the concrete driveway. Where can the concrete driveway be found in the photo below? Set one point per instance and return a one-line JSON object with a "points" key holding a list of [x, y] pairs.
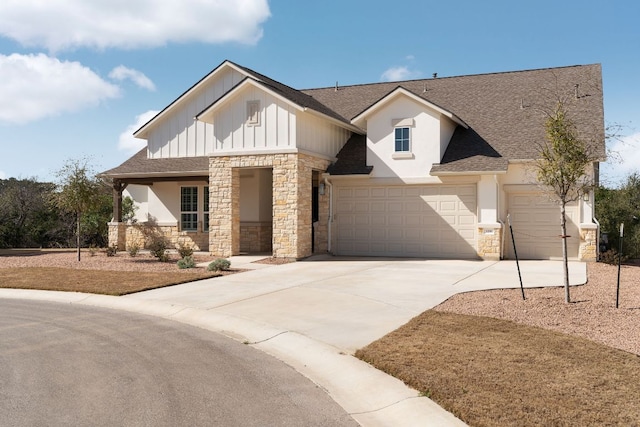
{"points": [[315, 313]]}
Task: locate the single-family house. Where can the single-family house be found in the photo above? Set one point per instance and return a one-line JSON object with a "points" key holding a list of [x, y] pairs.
{"points": [[421, 168]]}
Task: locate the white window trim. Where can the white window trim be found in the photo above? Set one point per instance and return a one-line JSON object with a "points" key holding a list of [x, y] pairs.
{"points": [[399, 155], [403, 123]]}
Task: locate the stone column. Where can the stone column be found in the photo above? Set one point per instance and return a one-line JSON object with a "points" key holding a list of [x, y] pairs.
{"points": [[117, 229], [224, 208], [118, 235], [285, 201], [588, 242], [490, 241], [321, 235]]}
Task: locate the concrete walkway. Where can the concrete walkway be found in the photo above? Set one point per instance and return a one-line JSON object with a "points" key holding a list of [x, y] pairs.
{"points": [[314, 314]]}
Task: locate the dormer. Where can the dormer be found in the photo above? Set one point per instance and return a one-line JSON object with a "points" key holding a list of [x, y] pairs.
{"points": [[406, 134]]}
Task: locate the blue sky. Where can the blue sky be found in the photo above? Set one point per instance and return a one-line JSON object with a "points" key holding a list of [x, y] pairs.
{"points": [[77, 77]]}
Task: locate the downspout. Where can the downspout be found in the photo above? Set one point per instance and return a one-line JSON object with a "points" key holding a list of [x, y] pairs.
{"points": [[504, 230], [597, 238], [330, 222]]}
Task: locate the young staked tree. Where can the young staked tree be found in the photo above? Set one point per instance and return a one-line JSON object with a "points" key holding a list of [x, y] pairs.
{"points": [[78, 192], [563, 170]]}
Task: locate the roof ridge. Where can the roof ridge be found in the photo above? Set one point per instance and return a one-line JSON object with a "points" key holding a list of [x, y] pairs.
{"points": [[399, 82]]}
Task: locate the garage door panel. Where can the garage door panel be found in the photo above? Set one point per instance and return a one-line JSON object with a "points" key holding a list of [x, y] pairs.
{"points": [[377, 192], [361, 193], [378, 220], [395, 207], [420, 220]]}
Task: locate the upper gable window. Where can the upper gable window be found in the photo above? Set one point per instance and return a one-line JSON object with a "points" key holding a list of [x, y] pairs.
{"points": [[253, 113], [403, 140]]}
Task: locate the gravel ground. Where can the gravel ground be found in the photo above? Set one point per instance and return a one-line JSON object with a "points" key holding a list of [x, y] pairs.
{"points": [[99, 261], [592, 313]]}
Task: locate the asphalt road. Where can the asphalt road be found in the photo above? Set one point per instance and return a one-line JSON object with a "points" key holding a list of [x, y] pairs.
{"points": [[76, 366]]}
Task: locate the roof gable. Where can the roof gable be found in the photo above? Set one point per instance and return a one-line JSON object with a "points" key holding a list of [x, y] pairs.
{"points": [[396, 93], [224, 66], [504, 112]]}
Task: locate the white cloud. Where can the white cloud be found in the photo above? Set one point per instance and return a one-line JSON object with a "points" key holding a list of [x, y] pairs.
{"points": [[69, 24], [3, 175], [394, 74], [127, 142], [37, 86], [624, 160], [122, 73]]}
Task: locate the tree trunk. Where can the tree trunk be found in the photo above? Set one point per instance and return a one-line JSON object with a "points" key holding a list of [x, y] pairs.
{"points": [[565, 260], [78, 234]]}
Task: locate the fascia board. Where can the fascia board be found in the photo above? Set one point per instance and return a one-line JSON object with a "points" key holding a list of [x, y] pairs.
{"points": [[207, 113], [142, 132], [400, 91]]}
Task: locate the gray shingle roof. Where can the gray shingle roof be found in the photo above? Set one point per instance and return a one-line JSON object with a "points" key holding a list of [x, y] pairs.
{"points": [[352, 158], [504, 111], [139, 166]]}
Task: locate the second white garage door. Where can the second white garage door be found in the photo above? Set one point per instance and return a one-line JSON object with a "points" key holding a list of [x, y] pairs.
{"points": [[536, 227], [434, 221]]}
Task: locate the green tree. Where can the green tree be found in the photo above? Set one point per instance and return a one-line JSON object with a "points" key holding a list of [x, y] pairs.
{"points": [[616, 205], [25, 214], [562, 170], [78, 192]]}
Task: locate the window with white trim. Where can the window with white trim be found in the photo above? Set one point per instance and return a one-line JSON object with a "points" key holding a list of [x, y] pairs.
{"points": [[205, 210], [402, 140], [189, 208]]}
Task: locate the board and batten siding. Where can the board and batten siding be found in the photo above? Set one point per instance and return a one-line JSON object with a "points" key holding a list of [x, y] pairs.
{"points": [[281, 126], [275, 129], [180, 135], [319, 136]]}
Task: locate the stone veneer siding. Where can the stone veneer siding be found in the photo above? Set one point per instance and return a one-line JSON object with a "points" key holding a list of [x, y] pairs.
{"points": [[141, 234], [489, 243], [588, 244], [255, 237], [117, 235], [292, 187]]}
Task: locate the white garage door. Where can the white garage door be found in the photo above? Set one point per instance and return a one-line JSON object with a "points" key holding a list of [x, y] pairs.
{"points": [[407, 221], [536, 227]]}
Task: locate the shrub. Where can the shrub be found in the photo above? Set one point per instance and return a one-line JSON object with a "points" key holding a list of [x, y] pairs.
{"points": [[158, 249], [93, 250], [185, 250], [112, 250], [186, 262], [219, 264], [611, 257], [133, 250]]}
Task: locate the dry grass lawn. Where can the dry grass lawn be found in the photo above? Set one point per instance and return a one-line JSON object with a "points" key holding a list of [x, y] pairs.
{"points": [[59, 270], [106, 282], [491, 372]]}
